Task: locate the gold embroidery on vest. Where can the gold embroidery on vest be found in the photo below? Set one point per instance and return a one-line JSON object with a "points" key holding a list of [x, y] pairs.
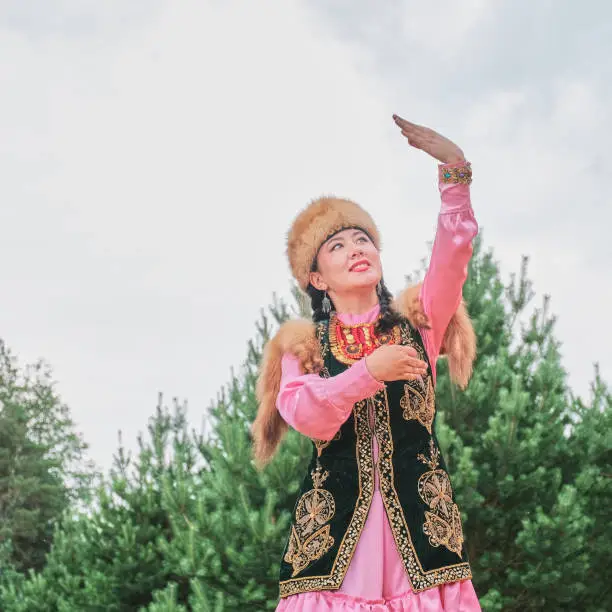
{"points": [[443, 522], [419, 403], [419, 578], [324, 373], [365, 466], [321, 444], [310, 538]]}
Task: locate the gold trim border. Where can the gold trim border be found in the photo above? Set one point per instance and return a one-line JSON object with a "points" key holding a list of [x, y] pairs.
{"points": [[420, 580], [365, 464]]}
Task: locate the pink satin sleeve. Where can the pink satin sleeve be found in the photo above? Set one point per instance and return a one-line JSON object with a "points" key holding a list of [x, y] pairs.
{"points": [[442, 286], [317, 407]]}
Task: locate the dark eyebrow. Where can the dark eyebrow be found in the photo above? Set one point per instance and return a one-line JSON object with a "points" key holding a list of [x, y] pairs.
{"points": [[341, 238], [335, 239]]}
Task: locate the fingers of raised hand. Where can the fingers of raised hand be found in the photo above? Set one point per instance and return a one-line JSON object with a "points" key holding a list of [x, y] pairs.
{"points": [[405, 125], [415, 142], [416, 139], [417, 135], [412, 129]]}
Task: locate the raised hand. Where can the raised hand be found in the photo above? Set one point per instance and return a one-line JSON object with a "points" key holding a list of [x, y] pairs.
{"points": [[438, 146]]}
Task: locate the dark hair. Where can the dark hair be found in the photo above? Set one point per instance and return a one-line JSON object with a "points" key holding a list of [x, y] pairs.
{"points": [[389, 318]]}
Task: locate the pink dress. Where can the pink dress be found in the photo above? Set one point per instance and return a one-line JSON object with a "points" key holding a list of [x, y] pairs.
{"points": [[316, 407]]}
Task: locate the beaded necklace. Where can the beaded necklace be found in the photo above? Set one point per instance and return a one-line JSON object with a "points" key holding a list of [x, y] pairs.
{"points": [[350, 343]]}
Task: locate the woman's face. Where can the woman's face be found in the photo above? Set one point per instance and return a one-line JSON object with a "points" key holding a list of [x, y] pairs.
{"points": [[347, 261]]}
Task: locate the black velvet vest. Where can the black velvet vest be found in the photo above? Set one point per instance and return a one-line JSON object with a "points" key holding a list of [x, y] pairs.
{"points": [[336, 494]]}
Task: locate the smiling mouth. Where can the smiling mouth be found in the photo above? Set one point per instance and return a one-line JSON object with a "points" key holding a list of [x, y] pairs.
{"points": [[360, 266]]}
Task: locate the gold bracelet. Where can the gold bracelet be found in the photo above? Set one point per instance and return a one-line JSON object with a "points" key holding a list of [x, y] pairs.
{"points": [[462, 174]]}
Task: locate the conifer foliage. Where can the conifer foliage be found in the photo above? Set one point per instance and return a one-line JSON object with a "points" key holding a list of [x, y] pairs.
{"points": [[43, 469], [188, 524]]}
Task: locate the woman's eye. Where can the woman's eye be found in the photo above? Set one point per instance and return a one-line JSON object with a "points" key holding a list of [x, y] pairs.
{"points": [[336, 245], [362, 239]]}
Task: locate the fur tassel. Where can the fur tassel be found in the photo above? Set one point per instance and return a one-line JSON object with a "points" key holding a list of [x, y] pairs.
{"points": [[459, 341], [298, 337], [459, 346], [408, 303]]}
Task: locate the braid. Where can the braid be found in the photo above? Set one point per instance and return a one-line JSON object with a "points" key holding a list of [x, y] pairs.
{"points": [[389, 318]]}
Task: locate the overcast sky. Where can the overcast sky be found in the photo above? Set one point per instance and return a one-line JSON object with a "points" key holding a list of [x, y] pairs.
{"points": [[154, 153]]}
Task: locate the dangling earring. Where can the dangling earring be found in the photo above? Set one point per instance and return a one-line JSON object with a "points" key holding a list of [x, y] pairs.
{"points": [[379, 289], [326, 304]]}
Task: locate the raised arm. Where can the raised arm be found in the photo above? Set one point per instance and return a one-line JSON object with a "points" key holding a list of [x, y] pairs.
{"points": [[442, 287]]}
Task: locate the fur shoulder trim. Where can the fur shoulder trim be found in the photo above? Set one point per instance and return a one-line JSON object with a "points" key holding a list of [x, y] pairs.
{"points": [[459, 341], [299, 338]]}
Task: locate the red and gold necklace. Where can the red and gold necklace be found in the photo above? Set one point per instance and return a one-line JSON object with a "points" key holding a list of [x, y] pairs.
{"points": [[350, 343]]}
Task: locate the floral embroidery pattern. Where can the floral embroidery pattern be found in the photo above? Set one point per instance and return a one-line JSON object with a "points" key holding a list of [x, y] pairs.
{"points": [[443, 521], [419, 403], [310, 538], [419, 578], [407, 339], [432, 491], [321, 444], [349, 542]]}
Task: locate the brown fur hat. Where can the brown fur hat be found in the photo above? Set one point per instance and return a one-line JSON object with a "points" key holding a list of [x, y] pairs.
{"points": [[315, 224]]}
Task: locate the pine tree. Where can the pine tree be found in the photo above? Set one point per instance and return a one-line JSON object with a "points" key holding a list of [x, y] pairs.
{"points": [[590, 478], [507, 448], [110, 558], [243, 516], [42, 465], [156, 537], [188, 524]]}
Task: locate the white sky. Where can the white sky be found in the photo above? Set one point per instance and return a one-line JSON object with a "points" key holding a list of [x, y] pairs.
{"points": [[154, 154]]}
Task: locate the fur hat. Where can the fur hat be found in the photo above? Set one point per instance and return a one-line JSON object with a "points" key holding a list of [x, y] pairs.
{"points": [[321, 219]]}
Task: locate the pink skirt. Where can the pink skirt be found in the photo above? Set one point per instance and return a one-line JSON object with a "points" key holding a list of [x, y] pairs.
{"points": [[377, 582]]}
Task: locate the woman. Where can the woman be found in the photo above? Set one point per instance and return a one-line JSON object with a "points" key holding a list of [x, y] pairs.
{"points": [[375, 527]]}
